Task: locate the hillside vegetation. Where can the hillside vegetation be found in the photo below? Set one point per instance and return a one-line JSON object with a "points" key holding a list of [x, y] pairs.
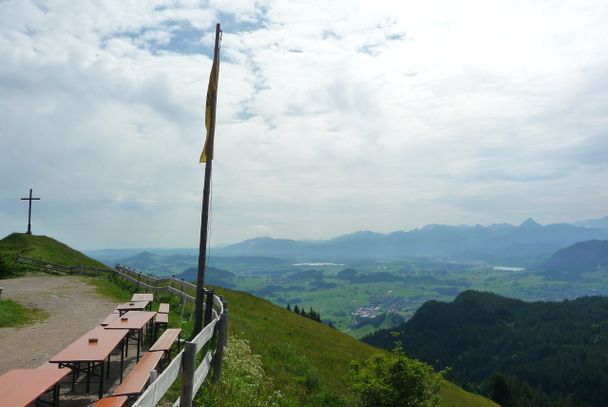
{"points": [[38, 247], [552, 353]]}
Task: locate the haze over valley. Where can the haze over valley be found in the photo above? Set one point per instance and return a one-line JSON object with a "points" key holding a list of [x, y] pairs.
{"points": [[365, 280]]}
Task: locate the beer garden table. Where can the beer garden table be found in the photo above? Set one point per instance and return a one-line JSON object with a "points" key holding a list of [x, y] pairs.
{"points": [[132, 306], [143, 297], [134, 321], [21, 387], [93, 348]]}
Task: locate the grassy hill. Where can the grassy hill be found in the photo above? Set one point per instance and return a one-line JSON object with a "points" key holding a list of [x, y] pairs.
{"points": [[42, 248], [308, 358]]}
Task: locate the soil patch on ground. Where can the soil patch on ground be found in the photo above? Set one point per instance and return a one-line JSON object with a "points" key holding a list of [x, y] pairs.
{"points": [[74, 307]]}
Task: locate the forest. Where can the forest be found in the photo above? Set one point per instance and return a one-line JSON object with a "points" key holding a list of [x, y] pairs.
{"points": [[532, 353]]}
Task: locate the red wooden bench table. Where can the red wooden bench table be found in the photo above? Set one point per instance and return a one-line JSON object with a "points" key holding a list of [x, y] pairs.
{"points": [[85, 350], [21, 387], [134, 321]]}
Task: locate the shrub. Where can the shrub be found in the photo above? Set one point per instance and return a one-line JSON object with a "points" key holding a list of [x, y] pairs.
{"points": [[394, 380]]}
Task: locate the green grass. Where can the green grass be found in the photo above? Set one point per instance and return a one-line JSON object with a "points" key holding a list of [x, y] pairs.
{"points": [[454, 396], [13, 314], [41, 248], [110, 288]]}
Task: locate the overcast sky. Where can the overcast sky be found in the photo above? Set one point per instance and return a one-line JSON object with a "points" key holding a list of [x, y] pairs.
{"points": [[333, 116]]}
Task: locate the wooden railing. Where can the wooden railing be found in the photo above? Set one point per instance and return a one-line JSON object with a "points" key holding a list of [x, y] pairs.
{"points": [[184, 364], [48, 267]]}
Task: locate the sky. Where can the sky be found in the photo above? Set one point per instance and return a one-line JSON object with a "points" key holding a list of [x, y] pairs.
{"points": [[332, 117]]}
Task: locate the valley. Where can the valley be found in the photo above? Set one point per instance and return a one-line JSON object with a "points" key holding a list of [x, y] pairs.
{"points": [[361, 296]]}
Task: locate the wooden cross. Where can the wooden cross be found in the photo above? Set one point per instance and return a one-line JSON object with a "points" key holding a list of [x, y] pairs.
{"points": [[29, 214]]}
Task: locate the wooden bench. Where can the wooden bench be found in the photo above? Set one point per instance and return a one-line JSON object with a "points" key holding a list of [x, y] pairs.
{"points": [[166, 342], [163, 308], [160, 320], [112, 401], [135, 383]]}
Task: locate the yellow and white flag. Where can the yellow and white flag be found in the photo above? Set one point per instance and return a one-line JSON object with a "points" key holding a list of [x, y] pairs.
{"points": [[210, 106]]}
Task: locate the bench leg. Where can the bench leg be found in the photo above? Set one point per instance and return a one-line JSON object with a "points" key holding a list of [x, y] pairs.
{"points": [[88, 376], [101, 376], [122, 356], [77, 369], [56, 391], [138, 343]]}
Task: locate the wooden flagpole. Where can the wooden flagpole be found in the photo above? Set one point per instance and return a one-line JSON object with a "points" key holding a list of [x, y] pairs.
{"points": [[202, 249]]}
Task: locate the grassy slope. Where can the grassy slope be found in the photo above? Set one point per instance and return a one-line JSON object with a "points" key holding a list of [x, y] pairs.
{"points": [[44, 248], [302, 355]]}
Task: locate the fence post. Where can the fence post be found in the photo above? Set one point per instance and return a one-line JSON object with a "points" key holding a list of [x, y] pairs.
{"points": [[222, 337], [138, 279], [181, 315], [188, 366], [153, 376], [208, 307]]}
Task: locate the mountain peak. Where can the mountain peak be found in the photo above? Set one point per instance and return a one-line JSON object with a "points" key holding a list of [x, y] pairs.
{"points": [[529, 223]]}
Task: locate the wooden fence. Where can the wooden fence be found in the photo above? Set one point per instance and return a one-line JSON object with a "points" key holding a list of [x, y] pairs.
{"points": [[184, 364], [53, 268]]}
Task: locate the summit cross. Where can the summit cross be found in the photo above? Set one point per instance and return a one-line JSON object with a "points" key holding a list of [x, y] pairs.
{"points": [[29, 213]]}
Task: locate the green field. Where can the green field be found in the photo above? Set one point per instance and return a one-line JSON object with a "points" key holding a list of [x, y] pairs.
{"points": [[382, 293]]}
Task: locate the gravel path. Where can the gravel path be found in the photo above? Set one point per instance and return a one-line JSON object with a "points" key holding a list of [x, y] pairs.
{"points": [[74, 308]]}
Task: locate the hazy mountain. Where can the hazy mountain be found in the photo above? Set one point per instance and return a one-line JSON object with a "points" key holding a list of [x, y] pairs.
{"points": [[601, 223], [213, 276], [497, 242], [581, 257], [113, 256]]}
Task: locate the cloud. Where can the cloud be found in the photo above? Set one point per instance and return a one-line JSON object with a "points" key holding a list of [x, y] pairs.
{"points": [[332, 117]]}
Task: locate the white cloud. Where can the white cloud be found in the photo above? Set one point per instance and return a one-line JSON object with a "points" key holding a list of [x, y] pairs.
{"points": [[333, 116]]}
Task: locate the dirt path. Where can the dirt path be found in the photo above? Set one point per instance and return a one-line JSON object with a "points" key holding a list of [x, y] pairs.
{"points": [[74, 308]]}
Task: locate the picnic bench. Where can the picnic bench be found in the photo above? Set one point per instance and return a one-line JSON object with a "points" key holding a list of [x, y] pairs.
{"points": [[160, 320], [112, 401], [135, 383], [166, 342], [163, 308]]}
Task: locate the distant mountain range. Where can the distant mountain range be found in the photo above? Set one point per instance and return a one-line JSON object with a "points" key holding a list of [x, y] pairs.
{"points": [[529, 242], [601, 223]]}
